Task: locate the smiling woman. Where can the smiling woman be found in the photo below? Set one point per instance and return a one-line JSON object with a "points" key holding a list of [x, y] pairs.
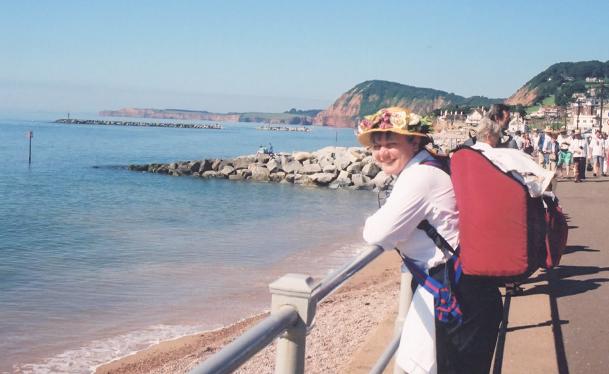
{"points": [[461, 338]]}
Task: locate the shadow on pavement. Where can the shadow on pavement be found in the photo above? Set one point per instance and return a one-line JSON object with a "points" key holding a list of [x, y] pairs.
{"points": [[557, 284], [578, 248]]}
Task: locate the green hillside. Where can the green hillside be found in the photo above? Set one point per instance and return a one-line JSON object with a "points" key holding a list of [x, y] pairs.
{"points": [[564, 79], [377, 94]]}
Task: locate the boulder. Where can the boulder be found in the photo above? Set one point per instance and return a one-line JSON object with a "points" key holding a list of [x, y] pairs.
{"points": [[245, 173], [290, 178], [224, 163], [277, 177], [227, 170], [327, 152], [355, 168], [194, 166], [303, 180], [293, 167], [361, 182], [215, 165], [370, 170], [358, 152], [259, 173], [163, 169], [205, 166], [343, 179], [243, 162], [382, 180], [330, 168], [322, 178], [273, 165], [326, 161], [173, 166], [235, 177], [311, 169], [301, 156], [263, 158]]}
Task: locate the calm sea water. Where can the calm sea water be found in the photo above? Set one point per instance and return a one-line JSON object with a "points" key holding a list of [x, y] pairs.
{"points": [[97, 261]]}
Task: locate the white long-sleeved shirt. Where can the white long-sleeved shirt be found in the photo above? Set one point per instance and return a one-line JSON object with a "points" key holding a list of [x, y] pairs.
{"points": [[579, 148], [420, 192]]}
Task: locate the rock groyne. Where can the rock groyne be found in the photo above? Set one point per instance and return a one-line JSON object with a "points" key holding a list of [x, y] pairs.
{"points": [[333, 167]]}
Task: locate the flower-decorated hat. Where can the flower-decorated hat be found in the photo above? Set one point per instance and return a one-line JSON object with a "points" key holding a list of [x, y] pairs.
{"points": [[399, 120]]}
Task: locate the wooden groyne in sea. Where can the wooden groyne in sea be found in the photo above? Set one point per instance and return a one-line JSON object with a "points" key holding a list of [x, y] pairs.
{"points": [[68, 121], [334, 167]]}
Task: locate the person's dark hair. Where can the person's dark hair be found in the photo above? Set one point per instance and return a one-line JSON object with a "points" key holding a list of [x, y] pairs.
{"points": [[496, 112], [518, 132], [424, 140]]}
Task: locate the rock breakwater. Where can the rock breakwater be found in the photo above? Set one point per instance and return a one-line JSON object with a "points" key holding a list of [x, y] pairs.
{"points": [[333, 167]]}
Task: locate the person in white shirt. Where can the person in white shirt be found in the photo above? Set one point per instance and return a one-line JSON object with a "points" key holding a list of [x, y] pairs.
{"points": [[397, 139], [537, 179], [579, 149], [598, 150]]}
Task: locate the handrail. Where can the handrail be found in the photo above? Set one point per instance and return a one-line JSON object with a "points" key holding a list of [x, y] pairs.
{"points": [[386, 356], [292, 317], [332, 281], [243, 348]]}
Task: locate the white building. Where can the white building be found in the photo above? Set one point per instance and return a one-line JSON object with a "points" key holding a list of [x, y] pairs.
{"points": [[474, 117]]}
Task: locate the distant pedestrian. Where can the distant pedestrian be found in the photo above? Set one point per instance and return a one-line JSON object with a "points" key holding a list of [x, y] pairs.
{"points": [[598, 151], [563, 164], [579, 149]]}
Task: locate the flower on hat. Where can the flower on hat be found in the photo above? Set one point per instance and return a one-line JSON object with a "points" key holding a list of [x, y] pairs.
{"points": [[395, 119]]}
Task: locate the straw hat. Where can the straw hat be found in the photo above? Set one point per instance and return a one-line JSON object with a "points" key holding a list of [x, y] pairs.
{"points": [[398, 120]]}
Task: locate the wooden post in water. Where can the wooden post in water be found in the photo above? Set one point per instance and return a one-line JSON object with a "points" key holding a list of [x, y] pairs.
{"points": [[30, 135]]}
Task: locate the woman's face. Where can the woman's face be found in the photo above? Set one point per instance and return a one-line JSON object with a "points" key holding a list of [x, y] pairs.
{"points": [[392, 151]]}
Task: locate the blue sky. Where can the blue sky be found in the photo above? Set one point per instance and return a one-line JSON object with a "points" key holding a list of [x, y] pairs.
{"points": [[85, 56]]}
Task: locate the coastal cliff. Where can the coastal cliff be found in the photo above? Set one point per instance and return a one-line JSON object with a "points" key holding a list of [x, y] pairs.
{"points": [[370, 96]]}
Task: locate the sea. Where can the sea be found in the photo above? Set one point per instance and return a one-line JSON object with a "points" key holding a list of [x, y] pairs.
{"points": [[98, 262]]}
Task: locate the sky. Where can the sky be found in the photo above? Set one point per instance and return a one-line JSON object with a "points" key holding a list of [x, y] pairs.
{"points": [[223, 56]]}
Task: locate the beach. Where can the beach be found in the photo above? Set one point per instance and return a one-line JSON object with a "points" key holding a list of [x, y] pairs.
{"points": [[343, 322]]}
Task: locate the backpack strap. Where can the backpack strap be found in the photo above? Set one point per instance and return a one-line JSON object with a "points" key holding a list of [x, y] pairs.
{"points": [[440, 163], [446, 306]]}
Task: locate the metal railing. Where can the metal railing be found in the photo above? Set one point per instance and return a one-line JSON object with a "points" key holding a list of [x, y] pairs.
{"points": [[294, 302]]}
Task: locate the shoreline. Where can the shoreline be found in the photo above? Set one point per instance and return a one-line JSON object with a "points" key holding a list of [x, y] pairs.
{"points": [[343, 322]]}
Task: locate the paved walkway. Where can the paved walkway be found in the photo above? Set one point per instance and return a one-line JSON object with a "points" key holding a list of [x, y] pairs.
{"points": [[561, 323]]}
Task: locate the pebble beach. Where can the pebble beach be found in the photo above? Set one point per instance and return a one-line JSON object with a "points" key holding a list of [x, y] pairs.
{"points": [[343, 322]]}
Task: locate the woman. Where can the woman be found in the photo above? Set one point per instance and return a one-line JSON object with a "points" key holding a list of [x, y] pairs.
{"points": [[397, 139]]}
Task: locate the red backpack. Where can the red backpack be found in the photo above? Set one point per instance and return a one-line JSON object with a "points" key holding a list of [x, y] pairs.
{"points": [[504, 232]]}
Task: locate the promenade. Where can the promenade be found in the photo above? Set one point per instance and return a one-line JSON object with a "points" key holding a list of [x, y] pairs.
{"points": [[560, 324]]}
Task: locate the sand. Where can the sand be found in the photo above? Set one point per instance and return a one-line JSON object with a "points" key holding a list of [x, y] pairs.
{"points": [[343, 322]]}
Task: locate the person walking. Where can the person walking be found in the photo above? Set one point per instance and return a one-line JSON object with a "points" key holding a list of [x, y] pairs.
{"points": [[598, 150], [579, 149], [397, 139]]}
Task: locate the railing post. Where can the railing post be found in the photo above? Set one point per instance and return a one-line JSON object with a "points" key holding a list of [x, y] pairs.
{"points": [[293, 290], [405, 299]]}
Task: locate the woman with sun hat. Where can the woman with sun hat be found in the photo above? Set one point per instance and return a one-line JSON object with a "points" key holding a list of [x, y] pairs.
{"points": [[424, 192]]}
